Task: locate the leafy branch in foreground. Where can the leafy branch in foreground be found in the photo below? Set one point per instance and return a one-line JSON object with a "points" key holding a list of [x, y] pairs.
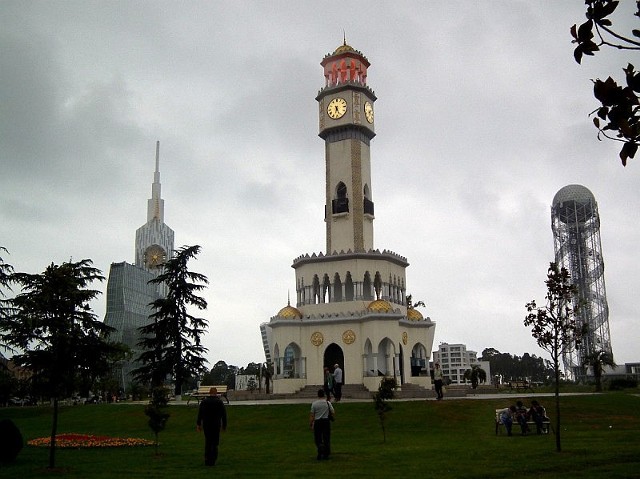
{"points": [[618, 117]]}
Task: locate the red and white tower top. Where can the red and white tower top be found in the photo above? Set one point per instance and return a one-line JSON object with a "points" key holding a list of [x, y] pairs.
{"points": [[345, 65]]}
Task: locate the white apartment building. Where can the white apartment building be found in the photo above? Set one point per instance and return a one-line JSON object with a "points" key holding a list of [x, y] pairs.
{"points": [[455, 359]]}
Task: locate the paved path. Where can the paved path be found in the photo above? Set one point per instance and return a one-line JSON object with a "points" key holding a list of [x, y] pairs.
{"points": [[255, 402]]}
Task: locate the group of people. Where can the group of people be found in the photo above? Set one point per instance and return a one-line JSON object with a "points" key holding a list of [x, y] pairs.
{"points": [[212, 417], [521, 415], [333, 383]]}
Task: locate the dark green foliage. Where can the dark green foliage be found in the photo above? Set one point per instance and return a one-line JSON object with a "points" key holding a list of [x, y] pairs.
{"points": [[10, 441], [5, 273], [518, 367], [172, 342], [475, 375], [619, 384], [598, 360], [620, 110], [385, 393], [157, 413], [220, 374], [60, 339]]}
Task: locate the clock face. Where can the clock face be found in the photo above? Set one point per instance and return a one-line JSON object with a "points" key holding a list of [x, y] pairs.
{"points": [[368, 111], [337, 108], [154, 256]]}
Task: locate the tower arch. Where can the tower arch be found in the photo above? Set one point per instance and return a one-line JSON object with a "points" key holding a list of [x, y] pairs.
{"points": [[334, 354]]}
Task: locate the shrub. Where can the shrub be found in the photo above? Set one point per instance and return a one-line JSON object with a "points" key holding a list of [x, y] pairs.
{"points": [[618, 384], [10, 441]]}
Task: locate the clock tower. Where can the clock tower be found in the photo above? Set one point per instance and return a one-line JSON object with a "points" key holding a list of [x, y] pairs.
{"points": [[351, 306], [347, 127]]}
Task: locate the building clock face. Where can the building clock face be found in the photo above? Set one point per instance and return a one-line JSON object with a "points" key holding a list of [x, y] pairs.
{"points": [[368, 111], [337, 108], [154, 257]]}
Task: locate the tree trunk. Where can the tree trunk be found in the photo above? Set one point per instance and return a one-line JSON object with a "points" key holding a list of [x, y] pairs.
{"points": [[54, 429], [556, 363]]}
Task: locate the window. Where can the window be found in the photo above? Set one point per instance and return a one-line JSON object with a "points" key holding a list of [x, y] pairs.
{"points": [[341, 203]]}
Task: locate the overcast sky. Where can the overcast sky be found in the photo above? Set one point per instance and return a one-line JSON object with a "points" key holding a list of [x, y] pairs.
{"points": [[482, 116]]}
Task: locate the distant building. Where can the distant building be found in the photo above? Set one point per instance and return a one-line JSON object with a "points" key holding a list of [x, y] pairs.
{"points": [[455, 359], [129, 293]]}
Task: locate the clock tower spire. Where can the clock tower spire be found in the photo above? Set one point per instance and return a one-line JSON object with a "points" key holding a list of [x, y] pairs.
{"points": [[154, 239], [347, 127]]}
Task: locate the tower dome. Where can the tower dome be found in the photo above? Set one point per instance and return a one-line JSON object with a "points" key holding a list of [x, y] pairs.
{"points": [[343, 48], [289, 312], [574, 203], [414, 315], [380, 306], [577, 193]]}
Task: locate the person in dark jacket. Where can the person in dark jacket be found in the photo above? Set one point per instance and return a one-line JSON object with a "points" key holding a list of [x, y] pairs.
{"points": [[212, 418]]}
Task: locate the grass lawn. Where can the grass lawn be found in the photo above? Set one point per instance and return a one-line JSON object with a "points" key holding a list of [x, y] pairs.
{"points": [[446, 439]]}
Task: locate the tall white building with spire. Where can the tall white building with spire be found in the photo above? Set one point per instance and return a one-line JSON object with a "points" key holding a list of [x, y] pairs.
{"points": [[351, 306], [128, 290], [154, 239]]}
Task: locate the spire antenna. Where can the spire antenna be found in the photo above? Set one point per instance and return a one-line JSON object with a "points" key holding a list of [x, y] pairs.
{"points": [[157, 156]]}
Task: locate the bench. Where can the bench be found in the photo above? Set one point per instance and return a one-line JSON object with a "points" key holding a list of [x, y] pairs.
{"points": [[546, 423], [524, 385], [203, 392]]}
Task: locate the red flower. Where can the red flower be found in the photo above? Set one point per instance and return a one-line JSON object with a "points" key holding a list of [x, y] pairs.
{"points": [[89, 440]]}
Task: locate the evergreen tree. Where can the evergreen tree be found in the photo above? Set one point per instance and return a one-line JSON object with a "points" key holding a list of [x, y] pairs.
{"points": [[5, 279], [172, 341], [57, 336]]}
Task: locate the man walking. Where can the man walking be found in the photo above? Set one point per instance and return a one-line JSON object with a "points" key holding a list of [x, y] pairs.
{"points": [[212, 417], [337, 382], [437, 380], [319, 421]]}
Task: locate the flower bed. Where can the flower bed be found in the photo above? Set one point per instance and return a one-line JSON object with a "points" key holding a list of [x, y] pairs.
{"points": [[89, 440]]}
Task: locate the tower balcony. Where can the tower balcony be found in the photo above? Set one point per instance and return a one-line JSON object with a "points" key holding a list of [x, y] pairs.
{"points": [[368, 207], [340, 205]]}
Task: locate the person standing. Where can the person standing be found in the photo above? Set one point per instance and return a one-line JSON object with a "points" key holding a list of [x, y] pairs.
{"points": [[337, 382], [320, 421], [212, 418], [437, 380], [328, 383]]}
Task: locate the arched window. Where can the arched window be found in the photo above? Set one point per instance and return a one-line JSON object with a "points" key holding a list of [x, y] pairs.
{"points": [[366, 287], [337, 288], [418, 359], [368, 204], [316, 289], [341, 201], [326, 289], [348, 287], [377, 285], [292, 367]]}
